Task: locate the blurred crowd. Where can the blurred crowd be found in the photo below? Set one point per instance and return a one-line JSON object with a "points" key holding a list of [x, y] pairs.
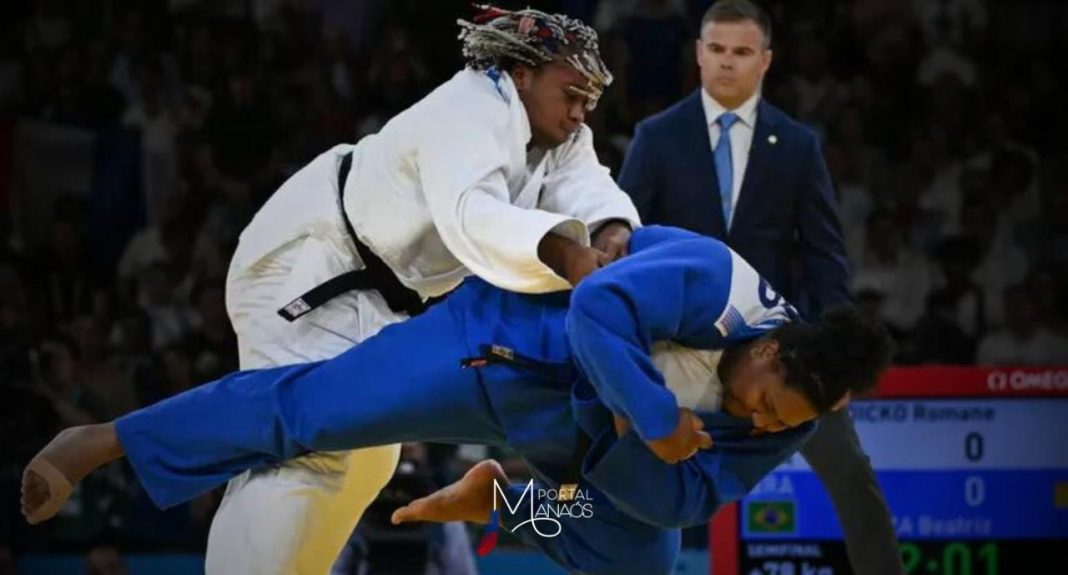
{"points": [[138, 137]]}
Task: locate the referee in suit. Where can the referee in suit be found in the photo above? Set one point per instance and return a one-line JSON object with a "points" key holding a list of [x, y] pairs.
{"points": [[725, 163]]}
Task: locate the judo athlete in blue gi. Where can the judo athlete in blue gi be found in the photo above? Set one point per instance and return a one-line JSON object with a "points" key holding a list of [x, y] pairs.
{"points": [[570, 380]]}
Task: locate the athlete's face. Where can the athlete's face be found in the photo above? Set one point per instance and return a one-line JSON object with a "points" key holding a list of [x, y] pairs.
{"points": [[756, 389], [551, 95]]}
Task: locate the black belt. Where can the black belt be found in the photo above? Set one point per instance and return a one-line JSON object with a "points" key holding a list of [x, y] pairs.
{"points": [[375, 275]]}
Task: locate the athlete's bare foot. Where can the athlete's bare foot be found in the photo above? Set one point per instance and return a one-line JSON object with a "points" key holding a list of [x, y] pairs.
{"points": [[469, 499], [66, 460]]}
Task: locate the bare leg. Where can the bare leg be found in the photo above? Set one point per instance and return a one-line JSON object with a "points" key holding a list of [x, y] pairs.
{"points": [[469, 499], [64, 462]]}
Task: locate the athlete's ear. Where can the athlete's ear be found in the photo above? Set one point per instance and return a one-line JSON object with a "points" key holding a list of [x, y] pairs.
{"points": [[523, 76], [765, 348]]}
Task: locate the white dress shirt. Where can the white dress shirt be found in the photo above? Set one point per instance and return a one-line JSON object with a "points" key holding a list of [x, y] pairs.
{"points": [[741, 137]]}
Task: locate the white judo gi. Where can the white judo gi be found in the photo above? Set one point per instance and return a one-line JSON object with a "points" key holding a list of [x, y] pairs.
{"points": [[446, 189]]}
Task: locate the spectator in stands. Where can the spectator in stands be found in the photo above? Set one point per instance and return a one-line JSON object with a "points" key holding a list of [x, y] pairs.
{"points": [[870, 303], [158, 298], [653, 39], [101, 376], [935, 210], [156, 118], [64, 279], [147, 246], [172, 374], [230, 210], [1023, 340], [938, 337], [1000, 261], [1045, 284], [891, 268], [62, 383], [957, 258], [818, 94], [131, 340], [213, 342], [1049, 229]]}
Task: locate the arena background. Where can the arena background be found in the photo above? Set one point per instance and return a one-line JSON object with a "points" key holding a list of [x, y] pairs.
{"points": [[138, 137]]}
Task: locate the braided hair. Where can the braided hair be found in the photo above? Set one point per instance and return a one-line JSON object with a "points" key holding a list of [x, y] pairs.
{"points": [[497, 37]]}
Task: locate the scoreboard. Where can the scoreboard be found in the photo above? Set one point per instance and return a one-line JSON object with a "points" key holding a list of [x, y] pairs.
{"points": [[974, 466]]}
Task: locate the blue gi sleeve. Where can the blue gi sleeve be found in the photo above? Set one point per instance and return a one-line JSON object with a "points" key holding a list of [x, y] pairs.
{"points": [[671, 290], [688, 493]]}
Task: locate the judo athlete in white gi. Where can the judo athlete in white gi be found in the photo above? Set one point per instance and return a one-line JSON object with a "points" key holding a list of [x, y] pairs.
{"points": [[551, 378], [492, 174]]}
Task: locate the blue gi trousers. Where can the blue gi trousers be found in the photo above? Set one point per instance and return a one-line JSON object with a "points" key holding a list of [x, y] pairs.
{"points": [[404, 384]]}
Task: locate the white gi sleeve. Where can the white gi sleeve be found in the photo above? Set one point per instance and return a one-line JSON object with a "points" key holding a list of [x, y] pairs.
{"points": [[467, 195], [577, 184]]}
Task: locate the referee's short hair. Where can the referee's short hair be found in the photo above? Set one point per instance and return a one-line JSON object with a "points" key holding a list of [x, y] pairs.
{"points": [[739, 11]]}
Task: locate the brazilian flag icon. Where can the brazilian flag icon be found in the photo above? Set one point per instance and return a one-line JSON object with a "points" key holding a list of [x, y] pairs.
{"points": [[771, 517]]}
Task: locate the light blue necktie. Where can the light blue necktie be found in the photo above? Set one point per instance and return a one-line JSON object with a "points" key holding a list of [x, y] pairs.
{"points": [[725, 164]]}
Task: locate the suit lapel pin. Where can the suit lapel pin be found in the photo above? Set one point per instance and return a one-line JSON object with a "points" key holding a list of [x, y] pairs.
{"points": [[773, 139]]}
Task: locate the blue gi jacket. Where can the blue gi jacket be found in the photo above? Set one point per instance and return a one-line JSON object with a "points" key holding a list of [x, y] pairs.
{"points": [[675, 285]]}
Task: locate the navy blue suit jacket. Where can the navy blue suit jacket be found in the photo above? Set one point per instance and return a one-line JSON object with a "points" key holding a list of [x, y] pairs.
{"points": [[786, 207]]}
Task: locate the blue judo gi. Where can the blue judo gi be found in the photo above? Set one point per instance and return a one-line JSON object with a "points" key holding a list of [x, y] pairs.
{"points": [[563, 363]]}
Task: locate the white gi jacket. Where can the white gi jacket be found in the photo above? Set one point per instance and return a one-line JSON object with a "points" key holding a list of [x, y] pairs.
{"points": [[445, 189]]}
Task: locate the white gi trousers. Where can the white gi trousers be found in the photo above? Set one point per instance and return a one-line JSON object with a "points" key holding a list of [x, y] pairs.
{"points": [[294, 518]]}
